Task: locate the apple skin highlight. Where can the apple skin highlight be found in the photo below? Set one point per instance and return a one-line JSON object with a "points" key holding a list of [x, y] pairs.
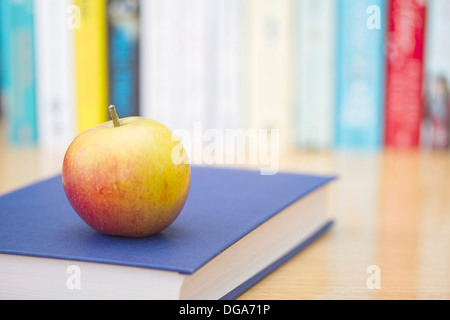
{"points": [[122, 181]]}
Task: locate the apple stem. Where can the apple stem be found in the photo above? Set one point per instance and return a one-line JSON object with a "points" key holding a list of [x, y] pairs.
{"points": [[114, 116]]}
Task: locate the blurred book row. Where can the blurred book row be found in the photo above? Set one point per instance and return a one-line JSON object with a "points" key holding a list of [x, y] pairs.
{"points": [[358, 74]]}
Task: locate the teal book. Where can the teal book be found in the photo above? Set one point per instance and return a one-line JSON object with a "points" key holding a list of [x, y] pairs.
{"points": [[123, 55], [18, 71], [360, 74], [314, 64], [236, 227]]}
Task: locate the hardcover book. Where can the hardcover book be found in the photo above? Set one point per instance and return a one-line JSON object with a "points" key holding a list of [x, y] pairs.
{"points": [[160, 23], [18, 71], [435, 130], [225, 99], [91, 64], [404, 77], [173, 51], [268, 68], [55, 93], [314, 76], [123, 43], [236, 227], [360, 74]]}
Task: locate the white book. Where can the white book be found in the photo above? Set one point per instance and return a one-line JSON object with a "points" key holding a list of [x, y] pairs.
{"points": [[268, 60], [438, 38], [195, 73], [314, 64], [55, 74], [435, 131], [155, 58], [229, 40], [173, 66], [173, 61]]}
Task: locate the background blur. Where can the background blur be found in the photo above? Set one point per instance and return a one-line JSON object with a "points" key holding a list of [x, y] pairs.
{"points": [[328, 74]]}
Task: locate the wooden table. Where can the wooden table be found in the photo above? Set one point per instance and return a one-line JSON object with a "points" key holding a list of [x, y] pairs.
{"points": [[391, 238], [392, 213]]}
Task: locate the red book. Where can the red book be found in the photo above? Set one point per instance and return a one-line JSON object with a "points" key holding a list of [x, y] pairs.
{"points": [[405, 58]]}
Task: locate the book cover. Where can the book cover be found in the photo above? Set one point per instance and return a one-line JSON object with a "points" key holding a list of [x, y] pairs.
{"points": [[224, 205], [123, 45], [268, 68], [314, 63], [55, 74], [91, 64], [18, 71], [360, 74], [435, 129], [404, 73]]}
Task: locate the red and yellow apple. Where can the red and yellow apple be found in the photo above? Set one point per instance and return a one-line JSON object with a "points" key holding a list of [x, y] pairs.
{"points": [[122, 179]]}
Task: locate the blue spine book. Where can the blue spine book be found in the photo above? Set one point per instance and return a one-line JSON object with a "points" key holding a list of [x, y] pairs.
{"points": [[360, 74], [18, 74], [123, 29]]}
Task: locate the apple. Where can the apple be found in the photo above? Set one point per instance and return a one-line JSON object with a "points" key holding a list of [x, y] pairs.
{"points": [[127, 177]]}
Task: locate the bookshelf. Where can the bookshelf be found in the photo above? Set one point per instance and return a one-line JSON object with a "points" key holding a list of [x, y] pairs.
{"points": [[391, 204], [324, 74]]}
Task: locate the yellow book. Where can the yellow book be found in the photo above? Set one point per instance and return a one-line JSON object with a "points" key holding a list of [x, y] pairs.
{"points": [[91, 64]]}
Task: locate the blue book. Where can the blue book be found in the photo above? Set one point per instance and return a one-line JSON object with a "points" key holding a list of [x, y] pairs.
{"points": [[235, 228], [18, 78], [360, 74], [123, 42]]}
